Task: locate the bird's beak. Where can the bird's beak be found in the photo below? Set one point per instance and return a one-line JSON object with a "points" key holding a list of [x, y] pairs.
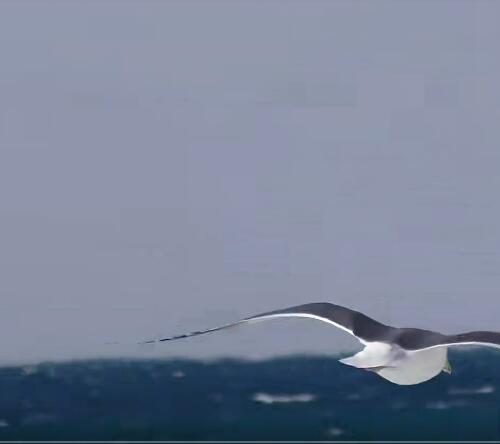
{"points": [[447, 367]]}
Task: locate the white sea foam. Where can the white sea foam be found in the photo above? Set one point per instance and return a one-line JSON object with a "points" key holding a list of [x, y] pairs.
{"points": [[483, 390], [334, 431], [445, 405], [29, 370], [266, 398]]}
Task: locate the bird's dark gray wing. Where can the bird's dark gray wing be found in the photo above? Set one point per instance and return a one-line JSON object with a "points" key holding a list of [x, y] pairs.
{"points": [[354, 322], [425, 341], [417, 339]]}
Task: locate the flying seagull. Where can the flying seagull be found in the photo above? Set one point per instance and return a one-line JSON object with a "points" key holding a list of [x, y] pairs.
{"points": [[403, 356]]}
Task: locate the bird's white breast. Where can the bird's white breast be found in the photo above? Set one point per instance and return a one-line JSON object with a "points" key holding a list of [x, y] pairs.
{"points": [[415, 367], [375, 354]]}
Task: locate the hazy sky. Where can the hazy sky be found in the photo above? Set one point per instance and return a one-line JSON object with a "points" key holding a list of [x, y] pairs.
{"points": [[168, 166]]}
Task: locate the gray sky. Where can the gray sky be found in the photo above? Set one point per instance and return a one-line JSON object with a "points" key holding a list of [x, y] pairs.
{"points": [[168, 166]]}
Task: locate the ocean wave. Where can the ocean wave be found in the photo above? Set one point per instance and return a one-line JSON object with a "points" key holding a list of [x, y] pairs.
{"points": [[29, 370], [483, 390], [266, 398], [445, 405], [399, 405], [334, 432], [37, 419]]}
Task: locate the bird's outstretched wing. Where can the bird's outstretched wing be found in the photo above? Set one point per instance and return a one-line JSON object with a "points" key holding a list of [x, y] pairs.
{"points": [[486, 338], [357, 324]]}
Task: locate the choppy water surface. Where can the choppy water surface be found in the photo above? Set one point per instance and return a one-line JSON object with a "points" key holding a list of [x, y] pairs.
{"points": [[299, 398]]}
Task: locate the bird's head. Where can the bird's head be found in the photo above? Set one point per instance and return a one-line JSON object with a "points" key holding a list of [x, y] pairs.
{"points": [[447, 367]]}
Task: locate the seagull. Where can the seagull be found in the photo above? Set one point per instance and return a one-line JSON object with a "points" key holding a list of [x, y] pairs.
{"points": [[403, 356]]}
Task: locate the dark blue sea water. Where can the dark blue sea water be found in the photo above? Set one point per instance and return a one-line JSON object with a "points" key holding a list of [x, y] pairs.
{"points": [[295, 398]]}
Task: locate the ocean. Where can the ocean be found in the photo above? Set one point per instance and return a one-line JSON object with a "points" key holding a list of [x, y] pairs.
{"points": [[291, 398]]}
